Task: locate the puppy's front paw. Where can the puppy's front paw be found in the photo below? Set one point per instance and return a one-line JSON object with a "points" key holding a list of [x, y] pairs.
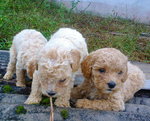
{"points": [[32, 100], [7, 76], [62, 103], [20, 84], [82, 103]]}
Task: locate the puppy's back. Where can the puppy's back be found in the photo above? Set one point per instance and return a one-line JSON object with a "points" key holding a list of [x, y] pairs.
{"points": [[26, 35], [67, 33], [70, 39], [135, 81]]}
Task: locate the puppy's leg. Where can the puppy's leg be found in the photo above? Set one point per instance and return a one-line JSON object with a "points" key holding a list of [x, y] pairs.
{"points": [[12, 64], [107, 105], [64, 98], [36, 94], [20, 73]]}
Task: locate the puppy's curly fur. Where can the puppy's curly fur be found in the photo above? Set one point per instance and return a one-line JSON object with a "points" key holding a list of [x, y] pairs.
{"points": [[110, 80], [23, 52], [59, 60]]}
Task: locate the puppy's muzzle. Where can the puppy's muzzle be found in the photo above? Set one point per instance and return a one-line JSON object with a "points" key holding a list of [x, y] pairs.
{"points": [[51, 93], [111, 84]]}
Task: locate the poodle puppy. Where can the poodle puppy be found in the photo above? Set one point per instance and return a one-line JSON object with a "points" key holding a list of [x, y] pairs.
{"points": [[23, 53], [110, 80], [59, 61]]}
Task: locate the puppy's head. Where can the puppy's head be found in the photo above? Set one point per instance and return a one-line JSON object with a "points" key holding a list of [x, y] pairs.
{"points": [[55, 72], [106, 69]]}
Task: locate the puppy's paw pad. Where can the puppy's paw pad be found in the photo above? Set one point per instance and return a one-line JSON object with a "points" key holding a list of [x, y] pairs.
{"points": [[62, 104], [7, 76], [81, 102], [32, 101], [19, 84]]}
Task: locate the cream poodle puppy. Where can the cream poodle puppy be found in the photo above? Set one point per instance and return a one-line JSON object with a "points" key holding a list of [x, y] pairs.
{"points": [[58, 63], [110, 80], [23, 53]]}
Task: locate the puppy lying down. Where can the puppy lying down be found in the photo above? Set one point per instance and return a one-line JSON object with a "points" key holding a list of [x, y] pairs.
{"points": [[58, 62], [26, 44], [110, 81]]}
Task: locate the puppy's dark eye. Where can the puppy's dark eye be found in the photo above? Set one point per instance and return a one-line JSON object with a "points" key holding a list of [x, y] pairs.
{"points": [[102, 70], [63, 80], [120, 72]]}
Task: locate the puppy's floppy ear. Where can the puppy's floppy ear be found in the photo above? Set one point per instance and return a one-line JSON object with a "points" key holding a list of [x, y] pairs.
{"points": [[87, 64], [75, 58]]}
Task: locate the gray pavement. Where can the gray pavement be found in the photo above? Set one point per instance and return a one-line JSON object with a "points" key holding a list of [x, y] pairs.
{"points": [[137, 109], [133, 112]]}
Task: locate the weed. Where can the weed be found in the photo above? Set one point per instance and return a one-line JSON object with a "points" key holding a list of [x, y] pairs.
{"points": [[20, 110], [45, 101], [7, 89], [64, 114], [74, 4]]}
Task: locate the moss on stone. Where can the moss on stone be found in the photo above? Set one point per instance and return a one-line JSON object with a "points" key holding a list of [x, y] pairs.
{"points": [[45, 101], [64, 113], [20, 110], [7, 89]]}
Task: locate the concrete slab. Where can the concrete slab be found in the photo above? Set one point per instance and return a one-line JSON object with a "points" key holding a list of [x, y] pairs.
{"points": [[133, 112], [136, 10]]}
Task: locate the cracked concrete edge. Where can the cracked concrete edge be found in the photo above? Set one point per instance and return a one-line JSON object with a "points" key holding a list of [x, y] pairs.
{"points": [[146, 85], [7, 51]]}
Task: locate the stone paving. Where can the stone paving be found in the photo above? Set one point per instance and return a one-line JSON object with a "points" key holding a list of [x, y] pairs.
{"points": [[4, 59], [133, 112], [137, 109]]}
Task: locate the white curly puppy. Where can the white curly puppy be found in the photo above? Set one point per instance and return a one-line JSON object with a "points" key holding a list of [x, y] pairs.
{"points": [[23, 53], [59, 60]]}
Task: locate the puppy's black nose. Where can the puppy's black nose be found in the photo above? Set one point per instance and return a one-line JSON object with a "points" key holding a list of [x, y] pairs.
{"points": [[111, 84], [51, 93]]}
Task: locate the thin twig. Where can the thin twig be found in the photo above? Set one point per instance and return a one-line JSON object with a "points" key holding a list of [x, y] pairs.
{"points": [[86, 7], [52, 110]]}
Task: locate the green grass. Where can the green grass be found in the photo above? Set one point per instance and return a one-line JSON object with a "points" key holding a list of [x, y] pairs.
{"points": [[20, 110], [46, 17], [7, 89], [64, 114], [45, 101]]}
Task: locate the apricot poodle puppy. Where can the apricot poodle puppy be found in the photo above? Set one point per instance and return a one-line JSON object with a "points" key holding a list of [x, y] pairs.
{"points": [[58, 63], [110, 80], [23, 53]]}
